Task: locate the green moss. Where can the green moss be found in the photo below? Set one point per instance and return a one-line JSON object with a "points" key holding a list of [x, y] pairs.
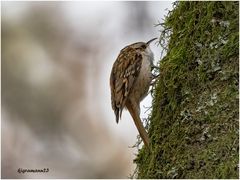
{"points": [[194, 122]]}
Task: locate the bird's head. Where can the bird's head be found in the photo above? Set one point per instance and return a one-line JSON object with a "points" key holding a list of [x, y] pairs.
{"points": [[142, 45]]}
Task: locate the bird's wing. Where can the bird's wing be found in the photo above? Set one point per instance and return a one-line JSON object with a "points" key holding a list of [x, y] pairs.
{"points": [[123, 76]]}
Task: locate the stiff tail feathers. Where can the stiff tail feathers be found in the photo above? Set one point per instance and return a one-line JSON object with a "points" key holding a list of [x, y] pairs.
{"points": [[142, 132], [118, 114]]}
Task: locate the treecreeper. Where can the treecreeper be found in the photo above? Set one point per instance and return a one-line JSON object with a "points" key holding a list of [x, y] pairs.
{"points": [[130, 79]]}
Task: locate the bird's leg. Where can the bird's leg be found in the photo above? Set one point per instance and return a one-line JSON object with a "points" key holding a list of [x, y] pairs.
{"points": [[154, 79], [154, 76], [155, 67]]}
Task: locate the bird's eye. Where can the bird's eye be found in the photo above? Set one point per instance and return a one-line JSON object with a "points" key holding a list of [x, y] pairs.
{"points": [[143, 46]]}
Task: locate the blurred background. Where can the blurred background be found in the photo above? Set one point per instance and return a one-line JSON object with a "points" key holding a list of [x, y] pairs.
{"points": [[56, 110]]}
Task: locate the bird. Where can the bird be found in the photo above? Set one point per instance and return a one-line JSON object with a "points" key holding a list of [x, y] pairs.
{"points": [[130, 80]]}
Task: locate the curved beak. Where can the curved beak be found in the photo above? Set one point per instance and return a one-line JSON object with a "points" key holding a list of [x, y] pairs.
{"points": [[150, 41]]}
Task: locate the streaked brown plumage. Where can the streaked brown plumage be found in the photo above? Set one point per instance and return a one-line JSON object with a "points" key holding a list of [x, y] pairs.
{"points": [[130, 81]]}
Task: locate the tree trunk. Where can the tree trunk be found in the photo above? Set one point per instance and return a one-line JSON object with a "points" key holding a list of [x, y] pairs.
{"points": [[194, 122]]}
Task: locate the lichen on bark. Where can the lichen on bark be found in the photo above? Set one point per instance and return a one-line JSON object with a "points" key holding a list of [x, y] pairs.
{"points": [[194, 121]]}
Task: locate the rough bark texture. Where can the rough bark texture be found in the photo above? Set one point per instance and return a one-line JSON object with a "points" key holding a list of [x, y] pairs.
{"points": [[194, 122]]}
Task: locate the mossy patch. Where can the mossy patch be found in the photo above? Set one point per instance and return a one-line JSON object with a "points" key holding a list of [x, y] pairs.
{"points": [[194, 122]]}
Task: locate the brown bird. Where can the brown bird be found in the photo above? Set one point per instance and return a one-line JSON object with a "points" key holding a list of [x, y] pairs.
{"points": [[130, 80]]}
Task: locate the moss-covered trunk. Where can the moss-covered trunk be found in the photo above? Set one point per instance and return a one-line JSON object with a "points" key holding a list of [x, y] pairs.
{"points": [[194, 122]]}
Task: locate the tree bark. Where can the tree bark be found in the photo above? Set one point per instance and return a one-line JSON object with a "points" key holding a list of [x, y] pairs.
{"points": [[194, 122]]}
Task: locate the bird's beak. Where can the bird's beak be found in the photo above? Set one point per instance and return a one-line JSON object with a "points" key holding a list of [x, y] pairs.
{"points": [[150, 41]]}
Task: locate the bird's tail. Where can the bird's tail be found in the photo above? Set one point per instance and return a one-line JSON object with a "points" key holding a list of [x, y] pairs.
{"points": [[138, 123], [118, 114]]}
